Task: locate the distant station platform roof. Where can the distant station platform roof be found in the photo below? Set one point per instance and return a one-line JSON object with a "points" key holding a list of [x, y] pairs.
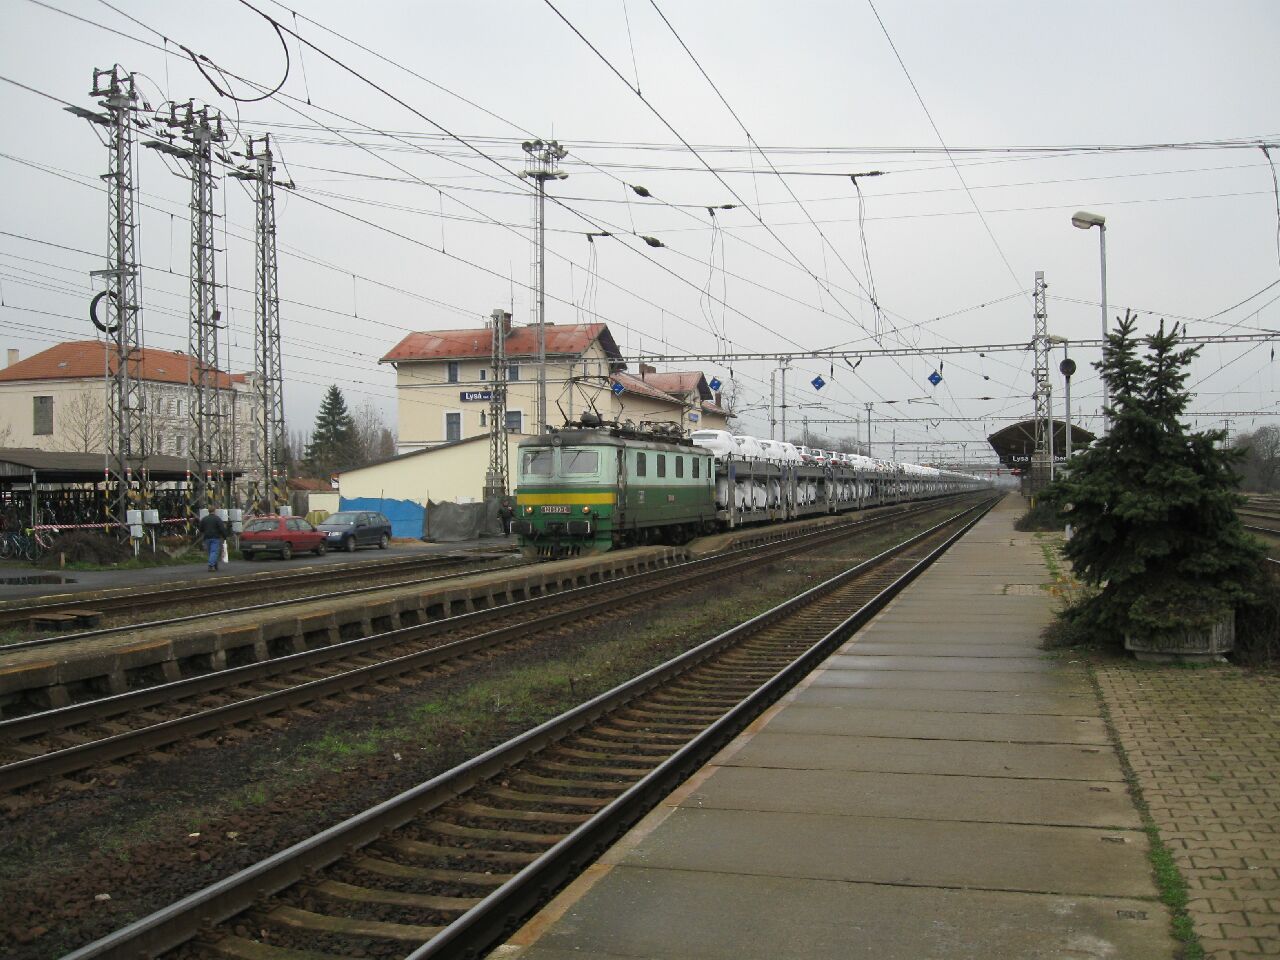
{"points": [[19, 465], [1016, 442]]}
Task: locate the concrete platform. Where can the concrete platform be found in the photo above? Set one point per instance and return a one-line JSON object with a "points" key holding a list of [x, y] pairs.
{"points": [[59, 673], [940, 788]]}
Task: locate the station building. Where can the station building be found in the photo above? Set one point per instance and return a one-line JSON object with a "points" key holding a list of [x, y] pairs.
{"points": [[56, 401], [443, 379]]}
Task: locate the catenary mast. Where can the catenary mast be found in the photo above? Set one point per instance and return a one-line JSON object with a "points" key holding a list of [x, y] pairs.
{"points": [[117, 310]]}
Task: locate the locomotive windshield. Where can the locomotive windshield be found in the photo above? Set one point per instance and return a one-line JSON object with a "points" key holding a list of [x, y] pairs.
{"points": [[535, 463], [579, 461]]}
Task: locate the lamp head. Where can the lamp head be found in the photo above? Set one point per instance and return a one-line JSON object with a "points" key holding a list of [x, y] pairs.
{"points": [[1084, 220]]}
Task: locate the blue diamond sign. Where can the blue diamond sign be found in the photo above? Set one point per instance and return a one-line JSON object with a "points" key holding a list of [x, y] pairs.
{"points": [[818, 383], [617, 388], [935, 378], [715, 383]]}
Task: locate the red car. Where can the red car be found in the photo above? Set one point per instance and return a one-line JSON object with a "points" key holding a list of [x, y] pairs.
{"points": [[283, 535]]}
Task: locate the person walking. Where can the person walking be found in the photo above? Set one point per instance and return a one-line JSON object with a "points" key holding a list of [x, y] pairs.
{"points": [[506, 515], [214, 532]]}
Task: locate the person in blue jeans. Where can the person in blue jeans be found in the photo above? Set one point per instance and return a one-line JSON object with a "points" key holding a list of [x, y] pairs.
{"points": [[214, 532]]}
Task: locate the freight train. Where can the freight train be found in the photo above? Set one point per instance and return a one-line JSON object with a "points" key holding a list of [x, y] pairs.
{"points": [[592, 486]]}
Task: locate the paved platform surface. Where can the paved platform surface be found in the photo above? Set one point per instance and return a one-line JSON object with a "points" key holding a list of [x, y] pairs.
{"points": [[1204, 746], [938, 789]]}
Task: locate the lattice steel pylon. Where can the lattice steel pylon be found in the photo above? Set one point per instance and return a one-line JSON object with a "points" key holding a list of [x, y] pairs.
{"points": [[126, 434], [1042, 458], [202, 128], [272, 489], [498, 475]]}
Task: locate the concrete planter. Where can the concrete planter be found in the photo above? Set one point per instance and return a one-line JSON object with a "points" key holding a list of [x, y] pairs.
{"points": [[1187, 646]]}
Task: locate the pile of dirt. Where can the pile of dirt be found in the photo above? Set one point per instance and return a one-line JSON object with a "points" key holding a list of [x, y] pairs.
{"points": [[87, 546]]}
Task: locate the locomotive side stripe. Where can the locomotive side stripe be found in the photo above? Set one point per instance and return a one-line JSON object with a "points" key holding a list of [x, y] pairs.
{"points": [[539, 499]]}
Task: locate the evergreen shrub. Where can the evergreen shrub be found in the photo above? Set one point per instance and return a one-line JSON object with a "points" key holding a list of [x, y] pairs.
{"points": [[1153, 505]]}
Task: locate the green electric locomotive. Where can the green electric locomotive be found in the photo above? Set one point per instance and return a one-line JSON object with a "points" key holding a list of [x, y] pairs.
{"points": [[591, 489]]}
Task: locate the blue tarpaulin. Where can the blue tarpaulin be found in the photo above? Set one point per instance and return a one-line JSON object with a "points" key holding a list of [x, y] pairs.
{"points": [[405, 515]]}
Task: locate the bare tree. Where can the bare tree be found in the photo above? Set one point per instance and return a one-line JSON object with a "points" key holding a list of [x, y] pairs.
{"points": [[373, 440], [386, 444], [1260, 469], [81, 423]]}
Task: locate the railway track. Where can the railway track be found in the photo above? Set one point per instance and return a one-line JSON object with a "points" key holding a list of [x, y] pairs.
{"points": [[86, 736], [451, 866], [133, 602]]}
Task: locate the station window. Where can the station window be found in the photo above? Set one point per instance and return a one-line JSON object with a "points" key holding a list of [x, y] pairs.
{"points": [[484, 374], [42, 416], [697, 462], [452, 426], [453, 371], [515, 421], [662, 464], [679, 468], [513, 372], [640, 465], [484, 419]]}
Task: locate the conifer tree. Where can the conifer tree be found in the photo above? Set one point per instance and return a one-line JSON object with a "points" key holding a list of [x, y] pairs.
{"points": [[334, 446], [1152, 505]]}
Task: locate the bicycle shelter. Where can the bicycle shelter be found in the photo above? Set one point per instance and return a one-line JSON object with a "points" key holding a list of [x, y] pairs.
{"points": [[40, 487]]}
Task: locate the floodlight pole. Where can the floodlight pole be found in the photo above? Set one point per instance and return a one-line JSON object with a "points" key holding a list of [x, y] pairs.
{"points": [[1085, 221], [544, 154]]}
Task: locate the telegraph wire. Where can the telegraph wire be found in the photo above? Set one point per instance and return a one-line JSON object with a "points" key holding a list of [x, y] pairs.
{"points": [[869, 287], [676, 133], [938, 134]]}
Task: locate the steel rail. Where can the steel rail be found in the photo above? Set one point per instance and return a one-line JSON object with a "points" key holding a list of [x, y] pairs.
{"points": [[905, 511], [31, 770], [488, 920], [202, 591]]}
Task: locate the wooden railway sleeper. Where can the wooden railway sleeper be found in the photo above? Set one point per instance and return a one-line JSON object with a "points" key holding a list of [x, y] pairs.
{"points": [[554, 799], [420, 849], [295, 918], [338, 890], [482, 811], [448, 829], [564, 783]]}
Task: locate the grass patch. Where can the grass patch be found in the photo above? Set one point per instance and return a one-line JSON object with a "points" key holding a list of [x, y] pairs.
{"points": [[1040, 516], [1170, 884]]}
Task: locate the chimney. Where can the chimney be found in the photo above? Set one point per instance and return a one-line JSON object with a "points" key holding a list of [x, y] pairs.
{"points": [[502, 316], [645, 368], [13, 357]]}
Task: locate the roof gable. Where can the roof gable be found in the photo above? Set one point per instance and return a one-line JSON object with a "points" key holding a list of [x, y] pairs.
{"points": [[89, 359], [680, 382], [571, 340]]}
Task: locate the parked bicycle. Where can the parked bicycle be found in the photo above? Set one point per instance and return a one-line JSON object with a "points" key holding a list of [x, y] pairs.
{"points": [[30, 544]]}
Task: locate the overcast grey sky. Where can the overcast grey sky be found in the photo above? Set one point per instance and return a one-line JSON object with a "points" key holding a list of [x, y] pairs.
{"points": [[1190, 231]]}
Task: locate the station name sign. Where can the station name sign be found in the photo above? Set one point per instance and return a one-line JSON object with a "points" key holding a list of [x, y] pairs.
{"points": [[470, 396]]}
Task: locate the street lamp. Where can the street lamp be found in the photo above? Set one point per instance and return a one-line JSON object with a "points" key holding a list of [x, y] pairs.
{"points": [[1084, 220]]}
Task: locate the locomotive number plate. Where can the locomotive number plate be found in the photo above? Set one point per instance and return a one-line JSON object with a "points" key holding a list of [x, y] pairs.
{"points": [[556, 509]]}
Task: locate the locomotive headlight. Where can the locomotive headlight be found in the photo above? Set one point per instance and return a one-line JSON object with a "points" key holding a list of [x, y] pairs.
{"points": [[586, 509], [528, 510]]}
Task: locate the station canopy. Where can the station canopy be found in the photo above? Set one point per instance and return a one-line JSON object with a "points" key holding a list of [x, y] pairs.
{"points": [[46, 466], [1015, 444]]}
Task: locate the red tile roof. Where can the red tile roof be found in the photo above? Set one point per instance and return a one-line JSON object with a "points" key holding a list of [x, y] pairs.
{"points": [[84, 359], [680, 382], [644, 389], [562, 340]]}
